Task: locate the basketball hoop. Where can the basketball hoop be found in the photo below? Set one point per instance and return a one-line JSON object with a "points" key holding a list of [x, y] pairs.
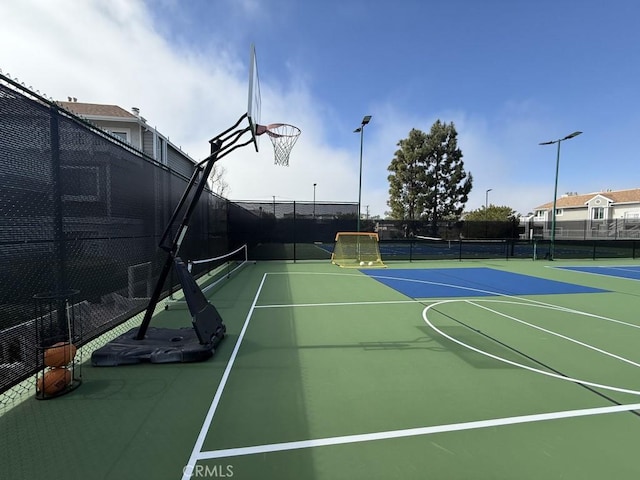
{"points": [[283, 137]]}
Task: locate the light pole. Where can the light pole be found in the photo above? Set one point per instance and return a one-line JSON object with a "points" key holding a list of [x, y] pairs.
{"points": [[360, 130], [486, 211], [555, 190], [314, 200], [486, 203]]}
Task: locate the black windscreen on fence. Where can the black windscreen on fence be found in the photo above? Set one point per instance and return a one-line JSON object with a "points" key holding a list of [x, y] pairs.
{"points": [[81, 211], [289, 230]]}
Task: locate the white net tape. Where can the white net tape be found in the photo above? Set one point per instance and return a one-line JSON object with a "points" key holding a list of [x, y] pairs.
{"points": [[283, 137]]}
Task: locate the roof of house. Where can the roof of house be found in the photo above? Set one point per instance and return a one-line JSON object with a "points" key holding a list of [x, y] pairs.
{"points": [[97, 110], [619, 196]]}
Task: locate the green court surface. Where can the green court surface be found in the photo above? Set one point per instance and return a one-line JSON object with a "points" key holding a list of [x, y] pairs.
{"points": [[330, 373]]}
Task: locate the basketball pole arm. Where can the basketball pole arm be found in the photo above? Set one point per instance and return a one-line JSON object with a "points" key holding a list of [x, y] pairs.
{"points": [[224, 138], [217, 153], [174, 215], [198, 179], [237, 134]]}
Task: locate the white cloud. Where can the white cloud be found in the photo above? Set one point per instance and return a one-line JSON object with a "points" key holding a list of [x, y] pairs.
{"points": [[109, 52]]}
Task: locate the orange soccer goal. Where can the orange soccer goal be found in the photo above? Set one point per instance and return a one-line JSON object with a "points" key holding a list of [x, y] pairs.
{"points": [[354, 250]]}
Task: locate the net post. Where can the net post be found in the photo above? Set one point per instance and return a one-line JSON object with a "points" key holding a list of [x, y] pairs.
{"points": [[411, 242]]}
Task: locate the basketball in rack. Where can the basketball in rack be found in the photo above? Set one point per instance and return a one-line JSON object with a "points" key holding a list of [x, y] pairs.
{"points": [[166, 345]]}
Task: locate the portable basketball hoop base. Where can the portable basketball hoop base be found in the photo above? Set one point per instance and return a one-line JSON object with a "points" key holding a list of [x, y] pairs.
{"points": [[167, 345], [160, 345]]}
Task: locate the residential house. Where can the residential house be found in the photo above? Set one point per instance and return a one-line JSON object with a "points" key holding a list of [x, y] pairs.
{"points": [[606, 214], [132, 128]]}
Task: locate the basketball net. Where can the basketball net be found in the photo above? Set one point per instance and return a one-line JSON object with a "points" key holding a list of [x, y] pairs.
{"points": [[283, 137]]}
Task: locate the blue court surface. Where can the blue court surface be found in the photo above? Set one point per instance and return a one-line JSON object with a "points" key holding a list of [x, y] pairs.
{"points": [[622, 271], [470, 282]]}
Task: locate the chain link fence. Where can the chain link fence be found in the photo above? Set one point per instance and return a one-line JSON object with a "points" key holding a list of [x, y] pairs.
{"points": [[80, 210]]}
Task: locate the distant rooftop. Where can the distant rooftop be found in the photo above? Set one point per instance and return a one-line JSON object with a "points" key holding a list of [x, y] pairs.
{"points": [[617, 196], [96, 110]]}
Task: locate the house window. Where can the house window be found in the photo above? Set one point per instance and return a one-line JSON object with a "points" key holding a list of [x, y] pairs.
{"points": [[121, 134], [160, 151], [540, 214], [598, 213], [559, 212]]}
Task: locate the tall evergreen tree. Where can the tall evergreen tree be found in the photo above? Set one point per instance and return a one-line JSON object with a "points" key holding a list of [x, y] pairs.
{"points": [[407, 181], [428, 180]]}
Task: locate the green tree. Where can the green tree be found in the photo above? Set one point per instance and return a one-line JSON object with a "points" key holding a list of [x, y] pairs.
{"points": [[493, 213], [427, 179], [408, 179], [492, 222]]}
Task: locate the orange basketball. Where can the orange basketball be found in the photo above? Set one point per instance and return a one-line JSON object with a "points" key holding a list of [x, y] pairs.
{"points": [[53, 381], [59, 354]]}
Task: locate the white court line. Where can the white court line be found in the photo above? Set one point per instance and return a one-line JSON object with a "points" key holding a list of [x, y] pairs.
{"points": [[435, 299], [511, 362], [197, 448], [598, 274], [551, 332], [412, 432], [197, 453], [626, 268], [337, 304]]}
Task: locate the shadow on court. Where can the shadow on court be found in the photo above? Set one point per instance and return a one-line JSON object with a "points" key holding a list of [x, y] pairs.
{"points": [[483, 343]]}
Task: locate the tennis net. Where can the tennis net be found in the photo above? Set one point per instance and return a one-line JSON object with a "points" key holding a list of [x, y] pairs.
{"points": [[428, 247], [211, 272]]}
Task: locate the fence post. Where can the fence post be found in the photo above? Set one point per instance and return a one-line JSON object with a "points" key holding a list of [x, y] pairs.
{"points": [[294, 231], [60, 256]]}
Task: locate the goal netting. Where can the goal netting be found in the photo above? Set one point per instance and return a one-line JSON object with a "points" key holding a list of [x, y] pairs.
{"points": [[355, 250]]}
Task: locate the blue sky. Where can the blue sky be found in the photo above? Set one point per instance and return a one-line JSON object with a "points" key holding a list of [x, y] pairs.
{"points": [[509, 74]]}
